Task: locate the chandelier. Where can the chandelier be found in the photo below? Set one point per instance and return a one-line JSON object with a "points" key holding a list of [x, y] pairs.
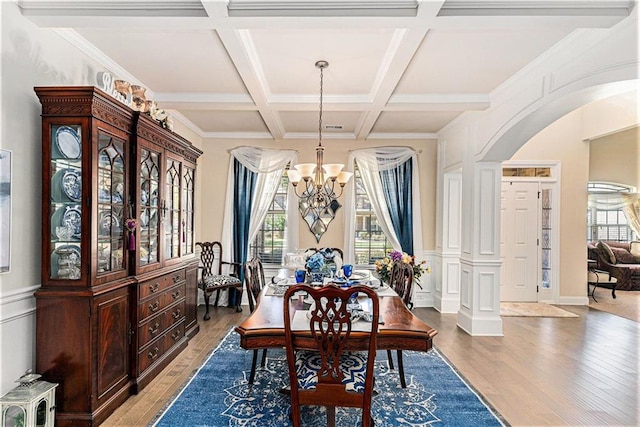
{"points": [[318, 193]]}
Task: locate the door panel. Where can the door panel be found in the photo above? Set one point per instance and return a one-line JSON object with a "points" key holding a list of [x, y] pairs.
{"points": [[519, 241]]}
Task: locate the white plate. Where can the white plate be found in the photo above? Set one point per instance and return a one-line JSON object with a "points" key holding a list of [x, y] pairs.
{"points": [[68, 142]]}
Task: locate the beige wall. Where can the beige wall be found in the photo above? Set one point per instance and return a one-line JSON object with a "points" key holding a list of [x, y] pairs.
{"points": [[214, 165], [562, 141], [616, 158], [31, 56]]}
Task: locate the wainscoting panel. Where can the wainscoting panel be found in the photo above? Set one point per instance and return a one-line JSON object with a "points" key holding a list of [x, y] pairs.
{"points": [[17, 335]]}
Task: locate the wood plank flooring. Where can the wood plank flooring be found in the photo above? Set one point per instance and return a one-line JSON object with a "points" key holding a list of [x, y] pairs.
{"points": [[544, 371]]}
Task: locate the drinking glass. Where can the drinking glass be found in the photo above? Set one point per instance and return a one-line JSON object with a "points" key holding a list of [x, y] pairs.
{"points": [[347, 269], [300, 276]]}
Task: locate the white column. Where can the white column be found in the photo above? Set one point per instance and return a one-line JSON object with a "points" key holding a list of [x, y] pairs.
{"points": [[479, 312], [447, 292]]}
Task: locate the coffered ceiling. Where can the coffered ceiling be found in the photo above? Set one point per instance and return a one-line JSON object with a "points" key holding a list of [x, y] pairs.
{"points": [[398, 68]]}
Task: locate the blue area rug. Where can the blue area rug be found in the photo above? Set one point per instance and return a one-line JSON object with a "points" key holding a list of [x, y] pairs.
{"points": [[219, 394]]}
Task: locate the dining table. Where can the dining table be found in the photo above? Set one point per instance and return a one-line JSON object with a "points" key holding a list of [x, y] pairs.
{"points": [[399, 328]]}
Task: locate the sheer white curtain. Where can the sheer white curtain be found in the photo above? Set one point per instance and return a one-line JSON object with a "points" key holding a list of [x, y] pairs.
{"points": [[269, 165], [631, 210], [628, 202], [370, 162]]}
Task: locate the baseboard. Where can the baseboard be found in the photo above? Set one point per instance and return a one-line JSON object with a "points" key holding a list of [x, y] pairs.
{"points": [[582, 300]]}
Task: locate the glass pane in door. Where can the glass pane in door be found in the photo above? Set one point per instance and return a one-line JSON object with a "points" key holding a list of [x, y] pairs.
{"points": [[111, 200], [66, 202], [172, 221], [187, 211], [149, 207]]}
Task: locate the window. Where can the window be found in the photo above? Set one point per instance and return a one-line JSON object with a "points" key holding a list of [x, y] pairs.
{"points": [[603, 222], [371, 244], [269, 243]]}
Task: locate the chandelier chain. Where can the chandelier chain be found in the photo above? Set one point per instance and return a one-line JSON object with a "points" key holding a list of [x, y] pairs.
{"points": [[320, 116]]}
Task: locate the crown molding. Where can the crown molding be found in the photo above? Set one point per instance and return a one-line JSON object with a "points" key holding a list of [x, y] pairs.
{"points": [[184, 8], [346, 8], [236, 135], [392, 135], [314, 135], [446, 102], [536, 8]]}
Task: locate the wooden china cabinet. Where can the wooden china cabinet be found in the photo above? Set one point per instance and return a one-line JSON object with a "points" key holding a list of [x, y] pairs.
{"points": [[119, 274]]}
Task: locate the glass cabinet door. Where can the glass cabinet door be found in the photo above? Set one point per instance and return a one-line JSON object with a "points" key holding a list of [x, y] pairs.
{"points": [[172, 210], [111, 204], [149, 207], [187, 210], [66, 202]]}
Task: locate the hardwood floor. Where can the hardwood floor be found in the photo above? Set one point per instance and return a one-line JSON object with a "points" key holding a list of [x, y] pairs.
{"points": [[544, 371]]}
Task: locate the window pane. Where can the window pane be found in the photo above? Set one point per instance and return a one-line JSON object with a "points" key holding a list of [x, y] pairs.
{"points": [[610, 224], [370, 242], [269, 243]]}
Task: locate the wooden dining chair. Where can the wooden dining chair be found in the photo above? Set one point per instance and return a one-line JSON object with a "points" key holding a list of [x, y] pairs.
{"points": [[254, 282], [323, 371], [211, 278], [401, 281]]}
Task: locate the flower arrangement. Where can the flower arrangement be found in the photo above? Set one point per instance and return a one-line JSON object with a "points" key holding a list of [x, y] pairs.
{"points": [[315, 262], [384, 266], [161, 116]]}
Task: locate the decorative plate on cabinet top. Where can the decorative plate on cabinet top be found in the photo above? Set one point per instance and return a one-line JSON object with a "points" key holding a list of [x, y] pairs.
{"points": [[68, 142]]}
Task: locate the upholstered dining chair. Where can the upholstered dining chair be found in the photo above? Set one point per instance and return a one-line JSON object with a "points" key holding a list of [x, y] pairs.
{"points": [[401, 281], [211, 278], [254, 282], [322, 371]]}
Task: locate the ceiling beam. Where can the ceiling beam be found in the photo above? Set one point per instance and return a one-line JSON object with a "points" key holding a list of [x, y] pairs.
{"points": [[402, 47], [242, 52]]}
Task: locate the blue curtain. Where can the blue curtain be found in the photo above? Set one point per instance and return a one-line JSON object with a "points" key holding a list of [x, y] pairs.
{"points": [[396, 185], [245, 184]]}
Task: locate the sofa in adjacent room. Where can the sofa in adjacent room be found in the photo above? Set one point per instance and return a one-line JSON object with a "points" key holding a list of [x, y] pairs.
{"points": [[620, 259]]}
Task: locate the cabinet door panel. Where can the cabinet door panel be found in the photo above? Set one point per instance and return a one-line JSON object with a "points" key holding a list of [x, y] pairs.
{"points": [[172, 209], [112, 312], [188, 192], [149, 199]]}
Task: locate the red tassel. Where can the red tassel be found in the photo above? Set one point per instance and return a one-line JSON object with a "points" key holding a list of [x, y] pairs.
{"points": [[132, 241]]}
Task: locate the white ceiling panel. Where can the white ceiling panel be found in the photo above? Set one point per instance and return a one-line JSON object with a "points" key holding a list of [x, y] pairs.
{"points": [[302, 121], [288, 59], [226, 121], [466, 61], [171, 60], [413, 122]]}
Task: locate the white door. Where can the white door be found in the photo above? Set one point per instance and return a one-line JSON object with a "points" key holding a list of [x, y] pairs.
{"points": [[519, 242]]}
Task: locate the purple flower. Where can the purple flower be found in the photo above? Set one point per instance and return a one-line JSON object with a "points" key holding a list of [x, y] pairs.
{"points": [[396, 256]]}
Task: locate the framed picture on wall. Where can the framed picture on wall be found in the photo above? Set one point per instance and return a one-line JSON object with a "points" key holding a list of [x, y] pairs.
{"points": [[5, 210]]}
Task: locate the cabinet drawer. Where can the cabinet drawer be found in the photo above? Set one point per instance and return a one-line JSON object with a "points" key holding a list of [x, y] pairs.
{"points": [[156, 326], [159, 302], [155, 286], [175, 334], [154, 352]]}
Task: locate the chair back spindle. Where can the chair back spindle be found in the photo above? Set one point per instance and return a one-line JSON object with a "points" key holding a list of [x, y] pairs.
{"points": [[401, 281], [254, 281]]}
